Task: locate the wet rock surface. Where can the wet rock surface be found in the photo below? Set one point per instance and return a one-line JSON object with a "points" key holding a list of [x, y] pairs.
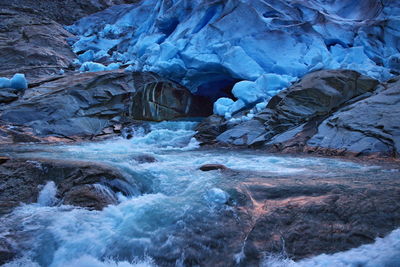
{"points": [[82, 184], [31, 43], [333, 112], [248, 214], [316, 95], [91, 104], [212, 167], [66, 12], [369, 126], [300, 217]]}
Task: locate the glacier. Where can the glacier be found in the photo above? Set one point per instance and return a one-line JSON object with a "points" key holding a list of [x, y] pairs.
{"points": [[255, 47]]}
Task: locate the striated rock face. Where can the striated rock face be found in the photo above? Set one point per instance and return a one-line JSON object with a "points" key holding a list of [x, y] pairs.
{"points": [[332, 112], [368, 126], [8, 95], [66, 12], [84, 104], [82, 184], [165, 100], [32, 44]]}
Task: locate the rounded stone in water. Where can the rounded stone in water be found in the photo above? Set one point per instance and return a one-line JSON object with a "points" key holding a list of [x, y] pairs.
{"points": [[217, 196]]}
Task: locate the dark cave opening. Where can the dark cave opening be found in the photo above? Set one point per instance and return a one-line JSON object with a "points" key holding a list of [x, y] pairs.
{"points": [[214, 86]]}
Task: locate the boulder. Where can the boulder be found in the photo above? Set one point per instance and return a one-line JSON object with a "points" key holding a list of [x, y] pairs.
{"points": [[144, 158], [212, 167], [82, 184], [83, 104], [317, 95], [209, 129], [367, 127], [32, 43], [161, 99]]}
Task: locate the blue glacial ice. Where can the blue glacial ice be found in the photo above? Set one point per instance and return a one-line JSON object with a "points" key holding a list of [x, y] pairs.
{"points": [[209, 46], [18, 81], [93, 67]]}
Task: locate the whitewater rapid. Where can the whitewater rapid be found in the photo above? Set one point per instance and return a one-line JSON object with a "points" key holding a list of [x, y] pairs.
{"points": [[159, 221]]}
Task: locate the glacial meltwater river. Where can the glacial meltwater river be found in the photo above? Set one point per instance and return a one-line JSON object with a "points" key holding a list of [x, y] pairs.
{"points": [[167, 220]]}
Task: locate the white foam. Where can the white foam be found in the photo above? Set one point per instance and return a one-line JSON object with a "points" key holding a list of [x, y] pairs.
{"points": [[47, 196], [385, 252]]}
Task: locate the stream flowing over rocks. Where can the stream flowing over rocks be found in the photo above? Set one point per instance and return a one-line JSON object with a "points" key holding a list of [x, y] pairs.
{"points": [[200, 133], [146, 203]]}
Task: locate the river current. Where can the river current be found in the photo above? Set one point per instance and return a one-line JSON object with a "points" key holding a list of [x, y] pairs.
{"points": [[161, 222]]}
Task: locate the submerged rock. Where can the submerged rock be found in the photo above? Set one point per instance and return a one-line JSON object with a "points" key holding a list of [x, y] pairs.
{"points": [[77, 183], [7, 252], [212, 167]]}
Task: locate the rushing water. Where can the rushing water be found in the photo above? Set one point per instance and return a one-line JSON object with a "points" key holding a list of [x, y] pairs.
{"points": [[159, 223]]}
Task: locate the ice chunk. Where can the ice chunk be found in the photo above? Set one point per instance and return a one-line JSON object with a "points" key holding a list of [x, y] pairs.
{"points": [[394, 62], [93, 67], [18, 81], [261, 106], [271, 82], [113, 66], [248, 92], [241, 65], [238, 105], [222, 106], [5, 83], [167, 51], [87, 56]]}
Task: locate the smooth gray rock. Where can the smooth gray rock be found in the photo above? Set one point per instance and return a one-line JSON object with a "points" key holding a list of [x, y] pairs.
{"points": [[66, 12], [317, 95], [32, 44], [243, 134], [368, 126], [83, 104]]}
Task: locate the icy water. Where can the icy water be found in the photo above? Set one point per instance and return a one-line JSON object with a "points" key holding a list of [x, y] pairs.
{"points": [[164, 222]]}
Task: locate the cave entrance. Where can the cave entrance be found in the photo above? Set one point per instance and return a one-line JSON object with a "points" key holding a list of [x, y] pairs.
{"points": [[210, 88]]}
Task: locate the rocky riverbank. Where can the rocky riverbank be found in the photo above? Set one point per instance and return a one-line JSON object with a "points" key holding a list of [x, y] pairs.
{"points": [[333, 113]]}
